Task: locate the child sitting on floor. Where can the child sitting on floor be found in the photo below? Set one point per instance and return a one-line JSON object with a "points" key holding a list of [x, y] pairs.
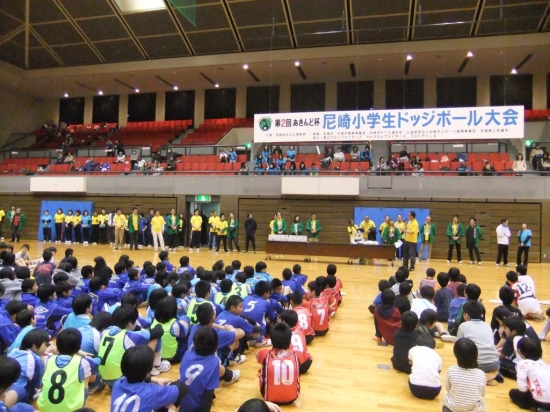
{"points": [[424, 381]]}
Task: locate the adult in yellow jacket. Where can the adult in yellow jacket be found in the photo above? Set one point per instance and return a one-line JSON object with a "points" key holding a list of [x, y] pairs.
{"points": [[157, 229], [213, 225], [120, 223], [196, 231], [222, 233]]}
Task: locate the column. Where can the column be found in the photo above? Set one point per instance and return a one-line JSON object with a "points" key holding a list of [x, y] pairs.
{"points": [[199, 108], [331, 96], [240, 104], [284, 98], [379, 94], [539, 91], [122, 110], [160, 106], [88, 109], [430, 93], [483, 91]]}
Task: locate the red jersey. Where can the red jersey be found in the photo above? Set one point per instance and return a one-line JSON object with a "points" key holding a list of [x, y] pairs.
{"points": [[279, 375], [339, 285], [319, 313], [305, 320], [332, 302], [298, 345]]}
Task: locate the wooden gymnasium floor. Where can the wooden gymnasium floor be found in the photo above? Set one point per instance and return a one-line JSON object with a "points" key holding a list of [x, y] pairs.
{"points": [[349, 372]]}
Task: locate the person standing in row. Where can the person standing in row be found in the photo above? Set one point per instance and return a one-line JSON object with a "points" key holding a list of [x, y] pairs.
{"points": [[524, 240], [77, 226], [69, 225], [181, 230], [503, 242], [232, 232], [279, 225], [391, 234], [427, 231], [473, 236], [297, 227], [250, 227], [95, 228], [196, 231], [400, 224], [119, 223], [103, 223], [157, 229], [313, 227], [383, 225], [59, 219], [9, 216], [46, 221], [411, 238], [222, 233], [455, 231], [17, 224], [213, 225], [132, 224], [369, 229], [172, 222], [2, 218], [86, 222]]}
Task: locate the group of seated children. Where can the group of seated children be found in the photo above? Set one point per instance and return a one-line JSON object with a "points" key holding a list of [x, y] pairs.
{"points": [[203, 319], [508, 347]]}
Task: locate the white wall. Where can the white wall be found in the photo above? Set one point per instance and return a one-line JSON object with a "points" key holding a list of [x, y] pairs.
{"points": [[23, 114]]}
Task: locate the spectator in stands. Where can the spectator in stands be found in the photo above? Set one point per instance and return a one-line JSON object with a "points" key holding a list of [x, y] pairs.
{"points": [[355, 155], [224, 155], [258, 160], [303, 169], [404, 155], [462, 168], [277, 150], [366, 154], [266, 153], [519, 165], [382, 166], [90, 165], [535, 154], [272, 169], [118, 147], [59, 159], [134, 158], [328, 159], [232, 155], [544, 163], [313, 170], [291, 154], [121, 158], [259, 169], [157, 169], [171, 163], [69, 159], [488, 170], [109, 148], [244, 169], [292, 168], [339, 155], [418, 170], [414, 162], [158, 157]]}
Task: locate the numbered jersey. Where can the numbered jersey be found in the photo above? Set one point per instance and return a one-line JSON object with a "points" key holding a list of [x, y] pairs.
{"points": [[141, 396], [279, 376], [200, 374], [298, 345], [328, 295], [62, 389], [522, 291], [319, 313], [305, 320]]}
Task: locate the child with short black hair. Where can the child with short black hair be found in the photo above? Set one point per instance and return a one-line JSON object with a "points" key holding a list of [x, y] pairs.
{"points": [[26, 321], [240, 287], [271, 359], [465, 383], [305, 318], [515, 328], [424, 301], [150, 393], [533, 376], [260, 309], [443, 297], [405, 298], [424, 381], [82, 308], [524, 297], [454, 280], [290, 283], [429, 279], [298, 340], [387, 318], [186, 267], [319, 309], [105, 297], [135, 286], [11, 370], [83, 285], [506, 295], [472, 292], [403, 340], [48, 313], [29, 289], [174, 339], [226, 287]]}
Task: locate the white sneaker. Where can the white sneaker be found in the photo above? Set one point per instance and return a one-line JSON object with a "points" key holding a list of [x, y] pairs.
{"points": [[460, 262], [198, 249], [448, 338], [479, 263], [235, 377], [263, 344], [471, 262], [343, 293], [448, 261], [237, 360], [163, 367], [417, 259], [156, 249], [498, 264], [542, 337], [427, 260], [506, 265], [190, 249]]}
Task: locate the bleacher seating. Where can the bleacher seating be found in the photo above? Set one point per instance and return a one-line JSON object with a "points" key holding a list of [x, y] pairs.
{"points": [[212, 130], [154, 134], [177, 126], [537, 115]]}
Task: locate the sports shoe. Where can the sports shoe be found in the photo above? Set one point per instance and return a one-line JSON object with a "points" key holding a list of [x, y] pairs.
{"points": [[163, 367], [479, 263], [460, 262], [156, 249], [542, 337], [237, 360], [418, 260], [498, 265], [190, 249], [198, 250], [506, 265], [96, 386], [235, 377], [343, 293], [448, 261], [263, 344], [427, 260], [448, 338], [471, 262]]}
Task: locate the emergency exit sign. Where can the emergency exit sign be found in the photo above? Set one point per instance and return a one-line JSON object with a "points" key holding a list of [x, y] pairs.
{"points": [[203, 198]]}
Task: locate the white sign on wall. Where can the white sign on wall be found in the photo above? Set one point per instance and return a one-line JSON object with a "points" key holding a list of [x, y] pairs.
{"points": [[457, 123]]}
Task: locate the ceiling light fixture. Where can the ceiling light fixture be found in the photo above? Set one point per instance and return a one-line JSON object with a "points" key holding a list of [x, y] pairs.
{"points": [[296, 63], [216, 85], [514, 71], [100, 92], [137, 90], [470, 54], [409, 57], [175, 87], [245, 66], [66, 95]]}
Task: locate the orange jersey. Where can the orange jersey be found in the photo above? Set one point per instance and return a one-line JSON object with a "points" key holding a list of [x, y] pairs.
{"points": [[298, 344], [336, 293], [305, 320], [319, 313], [279, 375], [332, 302]]}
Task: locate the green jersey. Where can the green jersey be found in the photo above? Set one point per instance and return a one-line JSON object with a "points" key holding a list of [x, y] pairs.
{"points": [[111, 349], [192, 309], [62, 390]]}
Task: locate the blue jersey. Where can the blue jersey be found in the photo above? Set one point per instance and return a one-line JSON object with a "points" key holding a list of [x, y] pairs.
{"points": [[141, 396], [293, 285], [225, 337], [117, 281], [4, 302], [48, 316], [258, 308], [8, 331], [137, 288], [228, 318], [200, 374], [258, 277], [76, 321], [86, 220], [454, 309], [169, 266], [83, 286], [65, 303], [187, 268], [106, 297], [17, 342], [299, 278], [183, 305], [32, 370], [90, 339]]}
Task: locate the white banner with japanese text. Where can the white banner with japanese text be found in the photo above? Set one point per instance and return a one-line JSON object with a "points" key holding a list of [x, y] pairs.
{"points": [[457, 123]]}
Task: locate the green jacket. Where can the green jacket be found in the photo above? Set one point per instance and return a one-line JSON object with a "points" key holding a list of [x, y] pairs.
{"points": [[22, 221], [394, 238], [172, 221], [478, 234], [300, 228], [130, 223], [459, 233], [276, 228], [431, 238], [317, 229], [232, 230]]}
